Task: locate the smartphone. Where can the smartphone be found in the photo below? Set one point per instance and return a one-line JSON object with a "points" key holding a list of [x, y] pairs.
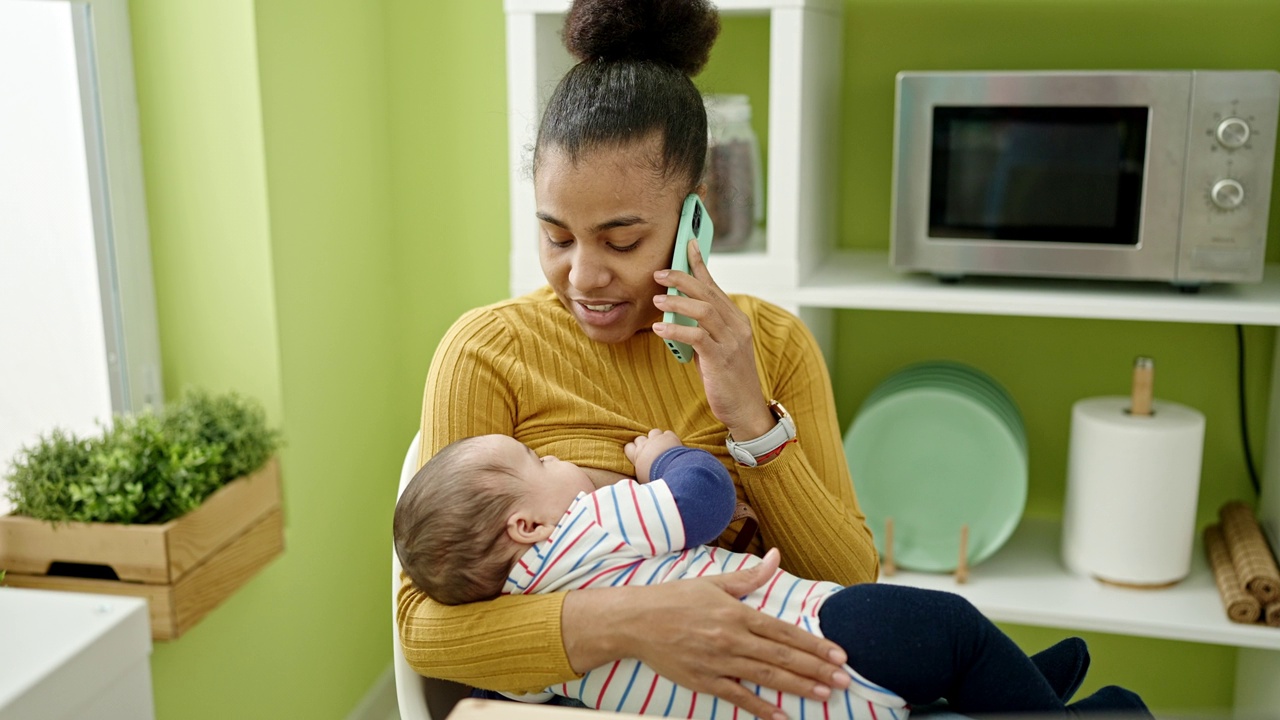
{"points": [[694, 223]]}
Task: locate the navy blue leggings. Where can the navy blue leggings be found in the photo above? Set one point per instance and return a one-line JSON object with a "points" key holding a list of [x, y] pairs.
{"points": [[927, 645]]}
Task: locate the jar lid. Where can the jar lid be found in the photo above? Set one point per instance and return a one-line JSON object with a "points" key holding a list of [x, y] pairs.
{"points": [[727, 108]]}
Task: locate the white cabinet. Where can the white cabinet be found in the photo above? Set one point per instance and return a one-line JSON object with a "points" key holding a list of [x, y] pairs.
{"points": [[802, 270], [66, 656]]}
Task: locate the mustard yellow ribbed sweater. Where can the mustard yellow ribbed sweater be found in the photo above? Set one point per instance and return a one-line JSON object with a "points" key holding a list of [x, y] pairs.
{"points": [[523, 368]]}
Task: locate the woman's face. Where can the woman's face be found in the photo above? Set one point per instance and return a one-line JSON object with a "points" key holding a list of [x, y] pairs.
{"points": [[607, 222]]}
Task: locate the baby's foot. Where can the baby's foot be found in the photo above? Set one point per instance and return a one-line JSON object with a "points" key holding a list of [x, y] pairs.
{"points": [[1064, 665]]}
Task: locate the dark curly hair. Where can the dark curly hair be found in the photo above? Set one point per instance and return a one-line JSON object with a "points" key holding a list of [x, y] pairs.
{"points": [[633, 79], [449, 525]]}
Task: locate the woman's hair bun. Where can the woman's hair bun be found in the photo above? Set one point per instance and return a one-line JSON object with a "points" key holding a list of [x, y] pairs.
{"points": [[679, 33]]}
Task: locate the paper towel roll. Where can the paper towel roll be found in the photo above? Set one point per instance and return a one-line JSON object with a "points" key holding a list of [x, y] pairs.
{"points": [[1132, 484]]}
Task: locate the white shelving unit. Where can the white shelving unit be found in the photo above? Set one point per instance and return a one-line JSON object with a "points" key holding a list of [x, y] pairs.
{"points": [[804, 89], [864, 280], [801, 270]]}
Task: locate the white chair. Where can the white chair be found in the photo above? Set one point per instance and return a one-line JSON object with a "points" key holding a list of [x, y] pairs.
{"points": [[419, 698]]}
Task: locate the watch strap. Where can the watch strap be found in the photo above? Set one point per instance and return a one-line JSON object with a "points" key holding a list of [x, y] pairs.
{"points": [[747, 532], [768, 446], [762, 459]]}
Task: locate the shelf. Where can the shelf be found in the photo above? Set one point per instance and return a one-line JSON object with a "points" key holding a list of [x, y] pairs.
{"points": [[1026, 583], [864, 280]]}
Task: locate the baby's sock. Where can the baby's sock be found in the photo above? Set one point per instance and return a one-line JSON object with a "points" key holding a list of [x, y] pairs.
{"points": [[1064, 665]]}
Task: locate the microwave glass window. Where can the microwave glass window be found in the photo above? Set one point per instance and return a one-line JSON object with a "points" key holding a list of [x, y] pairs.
{"points": [[1038, 174]]}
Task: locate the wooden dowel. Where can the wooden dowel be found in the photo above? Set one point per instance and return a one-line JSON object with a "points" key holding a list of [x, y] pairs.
{"points": [[1143, 387], [962, 569], [888, 568]]}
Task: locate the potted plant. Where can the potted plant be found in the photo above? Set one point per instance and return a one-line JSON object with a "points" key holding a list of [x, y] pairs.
{"points": [[181, 507]]}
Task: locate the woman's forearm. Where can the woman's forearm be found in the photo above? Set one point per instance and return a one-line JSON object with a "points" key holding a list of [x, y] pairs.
{"points": [[593, 624], [512, 643]]}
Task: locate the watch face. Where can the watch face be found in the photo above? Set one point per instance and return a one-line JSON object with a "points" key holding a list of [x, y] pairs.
{"points": [[784, 418]]}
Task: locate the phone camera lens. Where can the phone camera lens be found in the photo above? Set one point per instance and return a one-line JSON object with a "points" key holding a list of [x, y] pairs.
{"points": [[697, 220]]}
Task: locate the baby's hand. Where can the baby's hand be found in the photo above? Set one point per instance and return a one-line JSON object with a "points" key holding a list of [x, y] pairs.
{"points": [[645, 449]]}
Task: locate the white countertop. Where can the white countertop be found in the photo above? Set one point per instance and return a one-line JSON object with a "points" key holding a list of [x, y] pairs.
{"points": [[68, 655]]}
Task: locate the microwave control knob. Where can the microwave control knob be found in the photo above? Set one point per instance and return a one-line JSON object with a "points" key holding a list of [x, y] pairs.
{"points": [[1227, 194], [1233, 133]]}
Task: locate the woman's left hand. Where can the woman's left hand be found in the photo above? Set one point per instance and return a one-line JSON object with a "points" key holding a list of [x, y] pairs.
{"points": [[723, 346]]}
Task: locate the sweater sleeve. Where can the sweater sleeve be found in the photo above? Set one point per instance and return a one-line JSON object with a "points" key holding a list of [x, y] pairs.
{"points": [[804, 498], [511, 643], [702, 489]]}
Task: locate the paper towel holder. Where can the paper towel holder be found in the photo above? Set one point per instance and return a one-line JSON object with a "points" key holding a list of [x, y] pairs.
{"points": [[1141, 395], [1133, 472]]}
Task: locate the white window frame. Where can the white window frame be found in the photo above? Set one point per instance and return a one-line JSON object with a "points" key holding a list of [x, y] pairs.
{"points": [[108, 99], [117, 206]]}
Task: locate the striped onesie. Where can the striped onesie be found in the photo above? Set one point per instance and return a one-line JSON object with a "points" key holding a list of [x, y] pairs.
{"points": [[634, 534]]}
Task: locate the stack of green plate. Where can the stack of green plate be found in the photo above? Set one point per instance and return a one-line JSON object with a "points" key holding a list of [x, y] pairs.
{"points": [[937, 446]]}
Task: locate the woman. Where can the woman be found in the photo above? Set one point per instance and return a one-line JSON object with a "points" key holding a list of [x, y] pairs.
{"points": [[579, 368]]}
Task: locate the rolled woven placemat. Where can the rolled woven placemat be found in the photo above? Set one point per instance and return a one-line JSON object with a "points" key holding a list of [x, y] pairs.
{"points": [[1250, 553], [1271, 614], [1241, 606]]}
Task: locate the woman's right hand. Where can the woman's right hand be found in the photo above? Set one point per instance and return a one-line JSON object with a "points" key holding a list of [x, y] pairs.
{"points": [[698, 634]]}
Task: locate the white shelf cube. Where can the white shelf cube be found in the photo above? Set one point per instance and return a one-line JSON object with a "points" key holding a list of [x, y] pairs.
{"points": [[803, 142]]}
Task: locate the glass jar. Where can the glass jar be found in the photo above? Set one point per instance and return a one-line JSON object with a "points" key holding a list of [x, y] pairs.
{"points": [[735, 192]]}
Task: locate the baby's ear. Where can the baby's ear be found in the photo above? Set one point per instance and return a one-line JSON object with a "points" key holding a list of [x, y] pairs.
{"points": [[523, 529]]}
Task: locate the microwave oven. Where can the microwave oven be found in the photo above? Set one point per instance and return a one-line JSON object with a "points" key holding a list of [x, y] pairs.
{"points": [[1143, 175]]}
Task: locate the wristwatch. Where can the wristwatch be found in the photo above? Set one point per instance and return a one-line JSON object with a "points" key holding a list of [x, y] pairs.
{"points": [[769, 445]]}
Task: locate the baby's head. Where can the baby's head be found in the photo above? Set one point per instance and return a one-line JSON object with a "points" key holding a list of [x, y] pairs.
{"points": [[473, 509]]}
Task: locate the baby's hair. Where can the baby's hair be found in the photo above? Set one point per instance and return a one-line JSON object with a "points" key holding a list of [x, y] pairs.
{"points": [[450, 525]]}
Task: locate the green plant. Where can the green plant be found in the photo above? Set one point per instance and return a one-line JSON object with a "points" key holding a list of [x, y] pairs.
{"points": [[145, 468]]}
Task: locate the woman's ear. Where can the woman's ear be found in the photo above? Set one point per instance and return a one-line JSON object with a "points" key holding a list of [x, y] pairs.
{"points": [[701, 191], [525, 530]]}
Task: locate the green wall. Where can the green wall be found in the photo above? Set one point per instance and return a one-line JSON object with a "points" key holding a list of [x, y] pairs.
{"points": [[448, 129], [327, 188], [200, 116], [266, 151]]}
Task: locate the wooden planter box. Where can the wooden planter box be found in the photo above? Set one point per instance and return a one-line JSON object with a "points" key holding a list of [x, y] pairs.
{"points": [[184, 568]]}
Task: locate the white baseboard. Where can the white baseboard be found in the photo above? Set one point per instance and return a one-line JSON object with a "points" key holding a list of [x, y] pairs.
{"points": [[380, 702]]}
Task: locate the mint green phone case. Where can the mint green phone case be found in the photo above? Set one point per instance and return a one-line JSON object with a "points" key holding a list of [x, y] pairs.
{"points": [[694, 223]]}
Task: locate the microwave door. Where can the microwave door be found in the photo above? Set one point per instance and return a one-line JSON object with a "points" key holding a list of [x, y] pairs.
{"points": [[1060, 175]]}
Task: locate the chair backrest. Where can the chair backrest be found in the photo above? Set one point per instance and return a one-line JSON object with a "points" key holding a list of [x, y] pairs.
{"points": [[419, 698]]}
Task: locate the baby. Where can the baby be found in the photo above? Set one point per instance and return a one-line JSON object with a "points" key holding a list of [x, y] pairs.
{"points": [[487, 516]]}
